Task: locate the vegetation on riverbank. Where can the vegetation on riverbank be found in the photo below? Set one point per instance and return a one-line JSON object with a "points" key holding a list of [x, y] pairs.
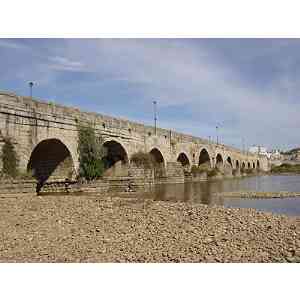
{"points": [[292, 151], [90, 152], [286, 168], [248, 171], [9, 159], [143, 159], [213, 172]]}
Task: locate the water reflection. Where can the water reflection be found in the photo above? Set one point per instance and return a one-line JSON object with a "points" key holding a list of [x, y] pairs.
{"points": [[205, 192]]}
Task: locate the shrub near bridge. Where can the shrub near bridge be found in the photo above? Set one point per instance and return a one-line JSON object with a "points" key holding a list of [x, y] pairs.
{"points": [[143, 159], [197, 170], [90, 152], [248, 171], [9, 159], [213, 172]]}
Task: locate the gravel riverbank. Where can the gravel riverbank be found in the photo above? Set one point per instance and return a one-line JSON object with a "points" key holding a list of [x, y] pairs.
{"points": [[97, 229]]}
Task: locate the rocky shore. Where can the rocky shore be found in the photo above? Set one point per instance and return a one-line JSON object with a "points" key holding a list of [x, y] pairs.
{"points": [[111, 229]]}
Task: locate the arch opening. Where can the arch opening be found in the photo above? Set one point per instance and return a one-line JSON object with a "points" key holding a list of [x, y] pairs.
{"points": [[228, 167], [243, 165], [237, 164], [115, 159], [249, 166], [159, 163], [229, 161], [183, 159], [51, 159], [253, 165], [157, 156], [257, 164], [219, 161], [204, 159]]}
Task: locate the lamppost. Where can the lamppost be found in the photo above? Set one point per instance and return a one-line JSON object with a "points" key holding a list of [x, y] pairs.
{"points": [[155, 115], [217, 135], [30, 88], [243, 143]]}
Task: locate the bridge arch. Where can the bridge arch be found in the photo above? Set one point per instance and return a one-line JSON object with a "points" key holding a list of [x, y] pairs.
{"points": [[157, 156], [228, 160], [183, 159], [237, 164], [114, 152], [257, 164], [253, 165], [115, 158], [243, 165], [249, 165], [204, 158], [51, 159], [159, 163], [219, 161]]}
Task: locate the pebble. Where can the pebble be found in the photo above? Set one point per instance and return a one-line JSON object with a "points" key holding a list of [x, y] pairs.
{"points": [[110, 229]]}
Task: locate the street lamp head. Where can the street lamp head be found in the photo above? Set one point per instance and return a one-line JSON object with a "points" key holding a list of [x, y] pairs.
{"points": [[31, 83]]}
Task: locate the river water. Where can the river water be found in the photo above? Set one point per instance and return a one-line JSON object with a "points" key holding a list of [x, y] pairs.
{"points": [[203, 192]]}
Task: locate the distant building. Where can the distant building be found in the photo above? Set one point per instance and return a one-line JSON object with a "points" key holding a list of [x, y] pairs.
{"points": [[272, 155], [260, 150], [276, 155]]}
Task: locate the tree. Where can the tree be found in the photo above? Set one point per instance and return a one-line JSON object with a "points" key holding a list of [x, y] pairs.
{"points": [[9, 159], [90, 152]]}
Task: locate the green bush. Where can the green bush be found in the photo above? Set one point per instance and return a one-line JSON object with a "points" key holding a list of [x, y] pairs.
{"points": [[213, 172], [90, 152], [198, 170], [143, 159], [286, 168], [235, 172], [248, 171], [9, 159]]}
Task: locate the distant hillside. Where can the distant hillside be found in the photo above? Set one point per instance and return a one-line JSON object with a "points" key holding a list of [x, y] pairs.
{"points": [[291, 151]]}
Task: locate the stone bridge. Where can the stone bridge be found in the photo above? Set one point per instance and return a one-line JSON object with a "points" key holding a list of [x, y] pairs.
{"points": [[45, 136]]}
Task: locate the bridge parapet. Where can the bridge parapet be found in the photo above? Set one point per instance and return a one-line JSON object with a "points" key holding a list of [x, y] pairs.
{"points": [[31, 121]]}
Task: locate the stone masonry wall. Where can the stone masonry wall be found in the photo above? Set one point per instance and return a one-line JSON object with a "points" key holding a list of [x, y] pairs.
{"points": [[29, 122]]}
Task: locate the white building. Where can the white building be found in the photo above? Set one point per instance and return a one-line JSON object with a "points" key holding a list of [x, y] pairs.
{"points": [[260, 150], [276, 155], [273, 154]]}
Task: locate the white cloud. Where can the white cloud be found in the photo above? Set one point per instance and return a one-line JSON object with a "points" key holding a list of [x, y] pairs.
{"points": [[12, 45], [189, 75], [66, 64]]}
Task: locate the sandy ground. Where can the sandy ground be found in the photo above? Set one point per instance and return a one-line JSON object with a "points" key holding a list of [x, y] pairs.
{"points": [[105, 229]]}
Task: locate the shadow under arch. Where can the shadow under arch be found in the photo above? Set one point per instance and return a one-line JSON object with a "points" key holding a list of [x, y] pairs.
{"points": [[228, 160], [243, 166], [50, 159], [115, 158], [257, 164], [183, 159], [204, 158], [219, 161], [159, 163]]}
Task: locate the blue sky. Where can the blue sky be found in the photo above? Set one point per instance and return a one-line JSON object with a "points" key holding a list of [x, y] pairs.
{"points": [[248, 87]]}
